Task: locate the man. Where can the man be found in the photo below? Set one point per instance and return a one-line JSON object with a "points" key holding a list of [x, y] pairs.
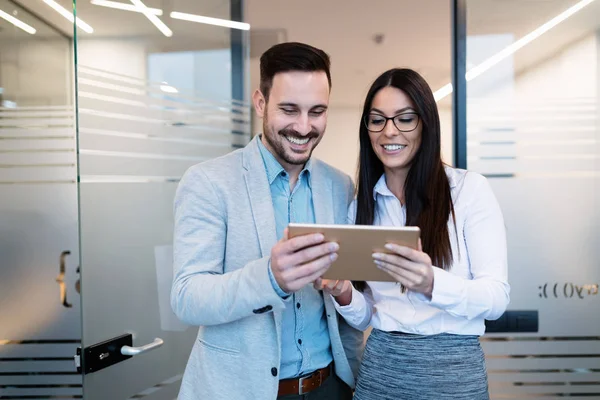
{"points": [[265, 332]]}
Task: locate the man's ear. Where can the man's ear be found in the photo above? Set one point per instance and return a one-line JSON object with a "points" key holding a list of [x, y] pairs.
{"points": [[260, 103]]}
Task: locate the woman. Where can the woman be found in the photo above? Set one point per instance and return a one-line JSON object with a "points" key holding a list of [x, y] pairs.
{"points": [[426, 326]]}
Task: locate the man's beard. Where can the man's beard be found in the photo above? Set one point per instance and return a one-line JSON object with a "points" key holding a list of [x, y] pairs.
{"points": [[279, 148]]}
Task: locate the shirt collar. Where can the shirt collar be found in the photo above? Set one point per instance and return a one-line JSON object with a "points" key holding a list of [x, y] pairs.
{"points": [[382, 188], [274, 168]]}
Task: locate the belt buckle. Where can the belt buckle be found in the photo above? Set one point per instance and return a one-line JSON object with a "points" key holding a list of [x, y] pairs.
{"points": [[301, 385], [301, 382]]}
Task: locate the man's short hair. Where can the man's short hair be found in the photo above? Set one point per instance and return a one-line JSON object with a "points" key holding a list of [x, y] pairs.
{"points": [[288, 57]]}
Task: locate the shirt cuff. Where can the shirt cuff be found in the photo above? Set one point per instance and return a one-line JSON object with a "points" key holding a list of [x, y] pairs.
{"points": [[357, 305], [447, 291], [275, 285]]}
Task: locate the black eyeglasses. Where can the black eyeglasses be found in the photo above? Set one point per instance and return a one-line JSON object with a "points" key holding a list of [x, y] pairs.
{"points": [[405, 122]]}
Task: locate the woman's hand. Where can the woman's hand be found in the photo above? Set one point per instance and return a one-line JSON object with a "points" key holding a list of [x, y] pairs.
{"points": [[412, 268], [340, 290]]}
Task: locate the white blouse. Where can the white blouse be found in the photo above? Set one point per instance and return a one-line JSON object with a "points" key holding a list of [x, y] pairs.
{"points": [[474, 289]]}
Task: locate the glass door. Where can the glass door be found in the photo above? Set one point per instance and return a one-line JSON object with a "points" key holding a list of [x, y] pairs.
{"points": [[40, 326], [157, 92], [533, 102]]}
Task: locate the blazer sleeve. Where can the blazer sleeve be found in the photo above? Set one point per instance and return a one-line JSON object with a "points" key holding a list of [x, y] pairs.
{"points": [[202, 293]]}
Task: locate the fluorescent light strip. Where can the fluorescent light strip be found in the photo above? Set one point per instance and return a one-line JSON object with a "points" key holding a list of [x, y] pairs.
{"points": [[168, 88], [210, 21], [442, 92], [153, 18], [512, 48], [18, 23], [124, 6], [69, 15]]}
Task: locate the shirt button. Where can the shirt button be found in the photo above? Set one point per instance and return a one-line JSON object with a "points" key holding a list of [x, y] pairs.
{"points": [[299, 341], [274, 371], [298, 305]]}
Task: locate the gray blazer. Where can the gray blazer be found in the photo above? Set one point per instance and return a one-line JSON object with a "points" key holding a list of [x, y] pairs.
{"points": [[224, 231]]}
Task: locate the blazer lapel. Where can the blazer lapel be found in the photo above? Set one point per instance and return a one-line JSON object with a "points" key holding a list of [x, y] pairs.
{"points": [[322, 196], [259, 192]]}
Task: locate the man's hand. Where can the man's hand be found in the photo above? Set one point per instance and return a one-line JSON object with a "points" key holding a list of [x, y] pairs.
{"points": [[301, 260]]}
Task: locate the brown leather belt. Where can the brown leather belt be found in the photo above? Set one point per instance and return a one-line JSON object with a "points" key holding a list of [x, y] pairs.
{"points": [[304, 384]]}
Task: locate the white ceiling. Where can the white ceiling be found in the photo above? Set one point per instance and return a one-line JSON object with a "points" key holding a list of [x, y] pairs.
{"points": [[119, 24]]}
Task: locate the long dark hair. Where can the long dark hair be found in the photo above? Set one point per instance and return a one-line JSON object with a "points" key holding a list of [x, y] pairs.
{"points": [[426, 190]]}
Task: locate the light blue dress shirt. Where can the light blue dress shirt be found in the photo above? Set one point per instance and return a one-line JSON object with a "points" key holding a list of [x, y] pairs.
{"points": [[305, 343]]}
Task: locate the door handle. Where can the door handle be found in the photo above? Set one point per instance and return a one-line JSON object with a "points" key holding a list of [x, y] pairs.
{"points": [[134, 351]]}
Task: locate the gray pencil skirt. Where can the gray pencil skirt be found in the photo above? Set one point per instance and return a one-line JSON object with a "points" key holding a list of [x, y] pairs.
{"points": [[402, 366]]}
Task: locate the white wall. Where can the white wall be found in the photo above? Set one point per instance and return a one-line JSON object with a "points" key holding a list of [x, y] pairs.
{"points": [[125, 57], [572, 73]]}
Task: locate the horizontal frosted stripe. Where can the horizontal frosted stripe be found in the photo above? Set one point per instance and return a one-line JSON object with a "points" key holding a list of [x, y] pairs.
{"points": [[32, 132], [37, 114], [543, 363], [86, 70], [517, 119], [48, 109], [42, 366], [36, 165], [93, 165], [148, 107], [40, 157], [33, 138], [159, 98], [143, 91], [37, 182], [30, 122], [540, 347], [49, 393], [39, 350], [535, 167], [485, 131], [523, 392], [82, 69], [168, 139], [41, 380], [545, 377], [128, 179], [93, 119], [156, 156], [540, 142], [112, 86]]}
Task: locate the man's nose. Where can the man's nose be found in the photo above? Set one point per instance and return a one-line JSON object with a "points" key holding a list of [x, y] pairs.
{"points": [[302, 125]]}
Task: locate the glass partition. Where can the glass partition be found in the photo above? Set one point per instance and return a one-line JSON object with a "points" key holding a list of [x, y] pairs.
{"points": [[156, 95], [533, 104], [39, 300]]}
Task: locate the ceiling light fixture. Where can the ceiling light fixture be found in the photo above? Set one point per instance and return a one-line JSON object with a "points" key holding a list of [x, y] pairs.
{"points": [[512, 48], [124, 6], [165, 87], [18, 23], [210, 21], [153, 18], [69, 15]]}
